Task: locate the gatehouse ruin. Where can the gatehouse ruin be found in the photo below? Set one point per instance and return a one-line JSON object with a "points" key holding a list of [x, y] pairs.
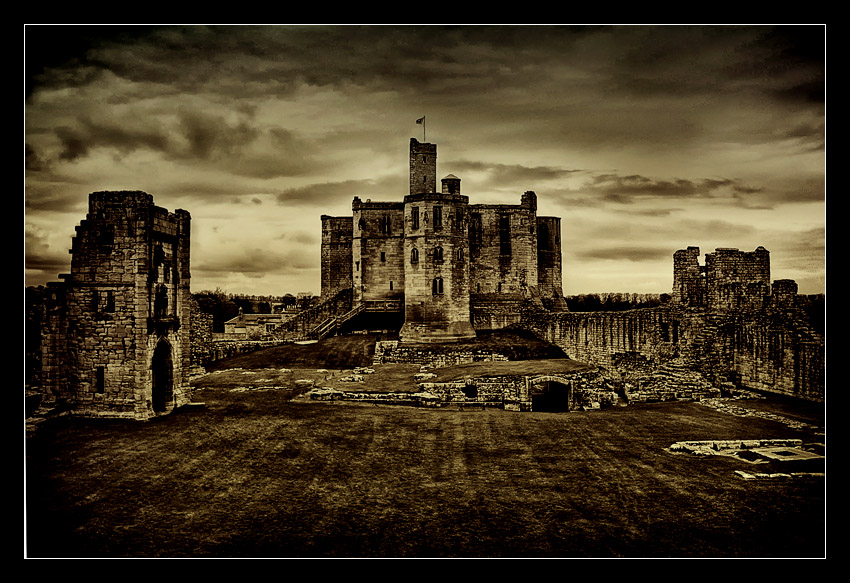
{"points": [[116, 331]]}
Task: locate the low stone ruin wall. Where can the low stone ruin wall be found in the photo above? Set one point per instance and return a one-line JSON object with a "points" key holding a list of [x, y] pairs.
{"points": [[433, 356], [225, 349]]}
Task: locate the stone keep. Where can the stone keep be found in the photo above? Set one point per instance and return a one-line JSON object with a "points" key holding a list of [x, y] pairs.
{"points": [[441, 257], [117, 334]]}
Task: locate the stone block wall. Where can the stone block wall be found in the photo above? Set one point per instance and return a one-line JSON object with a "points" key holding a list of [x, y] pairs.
{"points": [[503, 247], [378, 251], [336, 263], [117, 341], [496, 311], [549, 266], [436, 268], [432, 356], [736, 278], [763, 350], [201, 336], [688, 278], [729, 280]]}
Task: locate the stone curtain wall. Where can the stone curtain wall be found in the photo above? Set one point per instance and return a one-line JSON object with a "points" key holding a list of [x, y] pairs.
{"points": [[201, 336], [598, 337], [754, 349], [772, 355]]}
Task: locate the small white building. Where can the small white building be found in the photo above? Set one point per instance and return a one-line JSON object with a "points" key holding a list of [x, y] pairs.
{"points": [[255, 325]]}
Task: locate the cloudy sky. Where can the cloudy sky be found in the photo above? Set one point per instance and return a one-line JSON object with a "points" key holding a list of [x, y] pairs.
{"points": [[644, 140]]}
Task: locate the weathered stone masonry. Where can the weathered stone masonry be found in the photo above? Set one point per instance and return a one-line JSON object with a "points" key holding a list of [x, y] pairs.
{"points": [[116, 340], [453, 267], [725, 321]]}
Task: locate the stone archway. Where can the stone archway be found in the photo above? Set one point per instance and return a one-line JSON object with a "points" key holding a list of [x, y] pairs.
{"points": [[162, 369], [551, 394]]}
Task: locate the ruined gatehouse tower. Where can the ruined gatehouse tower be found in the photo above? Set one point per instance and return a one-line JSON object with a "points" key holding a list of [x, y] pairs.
{"points": [[116, 339], [449, 267]]}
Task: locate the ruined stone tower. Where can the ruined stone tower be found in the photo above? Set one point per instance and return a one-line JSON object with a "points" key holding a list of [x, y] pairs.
{"points": [[729, 279], [116, 341]]}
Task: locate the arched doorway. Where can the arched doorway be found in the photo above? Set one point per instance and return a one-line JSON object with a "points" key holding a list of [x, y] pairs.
{"points": [[551, 395], [163, 377]]}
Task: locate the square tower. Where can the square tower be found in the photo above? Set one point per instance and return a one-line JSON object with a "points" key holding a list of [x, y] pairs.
{"points": [[116, 341], [423, 167]]}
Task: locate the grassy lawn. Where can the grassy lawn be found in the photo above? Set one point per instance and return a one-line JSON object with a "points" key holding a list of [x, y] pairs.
{"points": [[257, 474]]}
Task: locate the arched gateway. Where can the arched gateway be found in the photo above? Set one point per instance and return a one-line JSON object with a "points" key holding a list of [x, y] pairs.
{"points": [[551, 394], [162, 369]]}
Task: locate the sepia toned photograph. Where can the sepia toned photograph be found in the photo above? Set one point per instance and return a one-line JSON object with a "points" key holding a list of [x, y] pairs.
{"points": [[425, 292]]}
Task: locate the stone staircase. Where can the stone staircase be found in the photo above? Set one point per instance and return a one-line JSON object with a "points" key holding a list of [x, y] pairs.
{"points": [[331, 325]]}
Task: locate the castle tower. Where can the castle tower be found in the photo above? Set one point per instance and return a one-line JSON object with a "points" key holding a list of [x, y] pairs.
{"points": [[423, 167], [117, 336], [549, 277], [436, 254], [688, 278]]}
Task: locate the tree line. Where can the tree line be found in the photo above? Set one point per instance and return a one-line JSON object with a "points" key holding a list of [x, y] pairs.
{"points": [[614, 302]]}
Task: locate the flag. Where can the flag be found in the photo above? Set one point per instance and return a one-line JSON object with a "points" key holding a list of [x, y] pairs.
{"points": [[421, 120]]}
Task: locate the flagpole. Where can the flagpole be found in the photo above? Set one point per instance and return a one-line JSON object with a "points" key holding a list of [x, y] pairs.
{"points": [[421, 120]]}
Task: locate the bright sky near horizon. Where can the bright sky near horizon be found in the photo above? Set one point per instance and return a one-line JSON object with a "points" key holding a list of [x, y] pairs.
{"points": [[643, 139]]}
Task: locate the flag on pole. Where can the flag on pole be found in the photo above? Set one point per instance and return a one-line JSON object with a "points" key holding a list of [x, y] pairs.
{"points": [[421, 120]]}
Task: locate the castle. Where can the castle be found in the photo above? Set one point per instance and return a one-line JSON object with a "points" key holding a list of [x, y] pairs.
{"points": [[438, 259], [119, 335]]}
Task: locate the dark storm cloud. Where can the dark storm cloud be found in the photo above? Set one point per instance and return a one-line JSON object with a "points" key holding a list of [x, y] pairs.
{"points": [[625, 253], [300, 237], [589, 85], [626, 189], [46, 197], [39, 256], [630, 189], [637, 59], [256, 262], [32, 161], [87, 135], [513, 173], [338, 195], [192, 137]]}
